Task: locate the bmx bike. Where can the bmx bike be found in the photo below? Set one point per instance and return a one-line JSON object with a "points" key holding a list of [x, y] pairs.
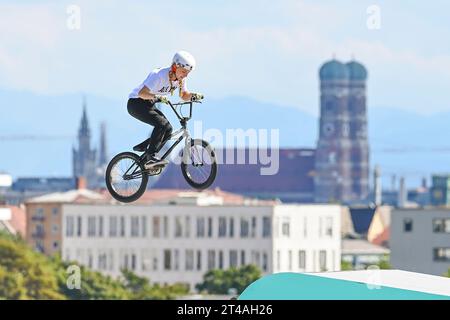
{"points": [[127, 177]]}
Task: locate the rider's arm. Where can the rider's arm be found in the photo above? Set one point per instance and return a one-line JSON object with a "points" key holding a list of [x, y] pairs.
{"points": [[145, 94]]}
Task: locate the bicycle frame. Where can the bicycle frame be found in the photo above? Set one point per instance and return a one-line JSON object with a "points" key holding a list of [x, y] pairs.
{"points": [[183, 130]]}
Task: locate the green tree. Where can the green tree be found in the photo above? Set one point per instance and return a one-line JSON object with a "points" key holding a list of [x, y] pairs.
{"points": [[346, 266], [447, 274], [26, 274], [384, 263], [218, 281]]}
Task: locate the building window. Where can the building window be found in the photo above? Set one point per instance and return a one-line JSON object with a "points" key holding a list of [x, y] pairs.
{"points": [[176, 259], [210, 227], [134, 226], [55, 211], [133, 261], [178, 227], [199, 260], [39, 212], [441, 254], [122, 226], [113, 226], [200, 227], [243, 258], [79, 229], [55, 229], [407, 225], [189, 260], [329, 226], [441, 225], [102, 263], [55, 244], [233, 258], [285, 227], [90, 260], [167, 262], [253, 229], [290, 259], [323, 260], [100, 226], [244, 228], [91, 226], [144, 226], [265, 261], [302, 259], [220, 259], [111, 260], [187, 227], [255, 258], [267, 227], [155, 260], [166, 226], [156, 227], [211, 259], [222, 227], [40, 246], [69, 226], [231, 227], [145, 260]]}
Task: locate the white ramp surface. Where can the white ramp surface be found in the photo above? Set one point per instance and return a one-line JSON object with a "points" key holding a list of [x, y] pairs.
{"points": [[395, 279]]}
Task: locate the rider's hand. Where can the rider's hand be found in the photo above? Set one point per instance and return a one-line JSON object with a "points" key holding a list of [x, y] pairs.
{"points": [[196, 96], [161, 99]]}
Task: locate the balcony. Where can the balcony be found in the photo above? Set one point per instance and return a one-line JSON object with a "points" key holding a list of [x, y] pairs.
{"points": [[38, 234]]}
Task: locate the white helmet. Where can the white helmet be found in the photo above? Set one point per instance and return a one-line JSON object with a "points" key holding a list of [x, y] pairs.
{"points": [[184, 59]]}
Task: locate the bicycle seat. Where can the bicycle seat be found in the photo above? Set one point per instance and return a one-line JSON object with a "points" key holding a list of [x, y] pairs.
{"points": [[140, 147]]}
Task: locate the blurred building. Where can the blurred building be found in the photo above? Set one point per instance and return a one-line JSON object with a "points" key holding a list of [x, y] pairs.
{"points": [[294, 181], [342, 155], [420, 240], [178, 236], [440, 190]]}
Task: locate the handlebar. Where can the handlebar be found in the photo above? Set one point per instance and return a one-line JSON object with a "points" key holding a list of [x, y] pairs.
{"points": [[191, 102]]}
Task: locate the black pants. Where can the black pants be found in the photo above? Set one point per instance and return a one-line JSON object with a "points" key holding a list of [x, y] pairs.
{"points": [[146, 111]]}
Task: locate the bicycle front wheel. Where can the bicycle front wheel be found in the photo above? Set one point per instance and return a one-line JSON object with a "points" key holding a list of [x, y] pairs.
{"points": [[199, 166], [125, 177]]}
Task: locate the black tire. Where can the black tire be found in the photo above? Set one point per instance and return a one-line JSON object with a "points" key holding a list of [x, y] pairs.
{"points": [[143, 180], [212, 175]]}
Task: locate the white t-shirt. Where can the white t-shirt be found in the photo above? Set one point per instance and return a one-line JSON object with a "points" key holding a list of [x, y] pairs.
{"points": [[158, 83]]}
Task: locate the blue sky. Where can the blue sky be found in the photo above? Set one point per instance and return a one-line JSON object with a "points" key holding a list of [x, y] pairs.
{"points": [[266, 50]]}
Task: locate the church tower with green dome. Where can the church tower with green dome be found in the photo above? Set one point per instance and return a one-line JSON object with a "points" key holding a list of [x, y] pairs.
{"points": [[341, 163]]}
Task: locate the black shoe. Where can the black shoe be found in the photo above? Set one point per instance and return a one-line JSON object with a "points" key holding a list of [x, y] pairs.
{"points": [[139, 147]]}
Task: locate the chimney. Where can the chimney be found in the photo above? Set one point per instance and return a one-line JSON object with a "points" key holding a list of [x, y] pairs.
{"points": [[377, 186], [81, 183]]}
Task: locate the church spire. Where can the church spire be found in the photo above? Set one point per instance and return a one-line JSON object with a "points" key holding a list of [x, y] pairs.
{"points": [[84, 126]]}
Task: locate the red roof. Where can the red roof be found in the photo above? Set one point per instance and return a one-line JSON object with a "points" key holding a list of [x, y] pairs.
{"points": [[18, 219], [156, 195]]}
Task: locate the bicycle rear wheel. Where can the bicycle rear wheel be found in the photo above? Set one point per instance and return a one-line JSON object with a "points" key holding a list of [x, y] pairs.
{"points": [[125, 177], [201, 168]]}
